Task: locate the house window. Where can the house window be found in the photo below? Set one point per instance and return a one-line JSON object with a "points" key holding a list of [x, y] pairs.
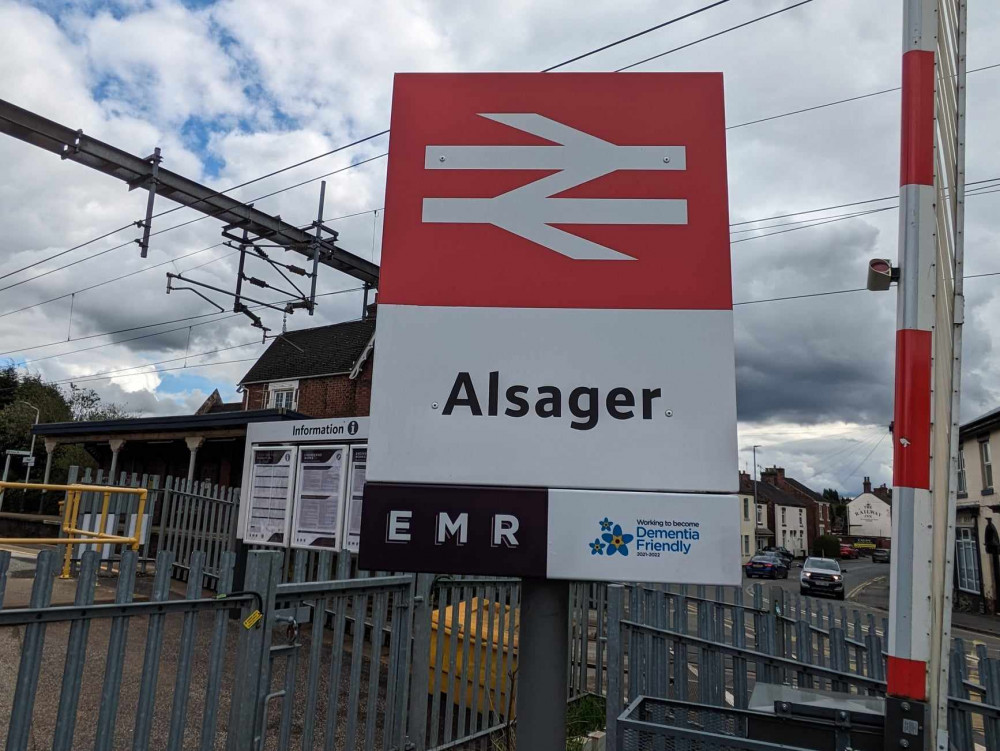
{"points": [[966, 553], [760, 515], [783, 516], [985, 456], [962, 488], [800, 517], [283, 399], [746, 544], [746, 509]]}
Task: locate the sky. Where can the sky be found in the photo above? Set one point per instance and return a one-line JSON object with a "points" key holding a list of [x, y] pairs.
{"points": [[233, 90]]}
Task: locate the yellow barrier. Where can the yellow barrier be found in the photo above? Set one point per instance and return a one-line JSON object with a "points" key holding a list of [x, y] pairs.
{"points": [[71, 507], [499, 654]]}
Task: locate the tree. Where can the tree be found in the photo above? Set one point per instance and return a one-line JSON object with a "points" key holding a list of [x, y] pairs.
{"points": [[827, 546], [86, 404], [54, 405]]}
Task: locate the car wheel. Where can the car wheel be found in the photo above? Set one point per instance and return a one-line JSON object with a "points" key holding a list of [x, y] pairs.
{"points": [[840, 595], [786, 574], [803, 591]]}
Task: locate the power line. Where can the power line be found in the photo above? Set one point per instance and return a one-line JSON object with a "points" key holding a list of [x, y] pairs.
{"points": [[149, 325], [855, 471], [68, 250], [716, 34], [638, 34], [109, 281], [119, 371], [816, 223], [857, 98], [166, 370]]}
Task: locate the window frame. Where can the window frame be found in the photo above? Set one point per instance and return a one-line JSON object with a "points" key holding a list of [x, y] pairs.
{"points": [[986, 462], [967, 560], [963, 486]]}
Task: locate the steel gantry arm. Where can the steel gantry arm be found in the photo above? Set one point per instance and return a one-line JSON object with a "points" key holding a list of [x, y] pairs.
{"points": [[141, 172]]}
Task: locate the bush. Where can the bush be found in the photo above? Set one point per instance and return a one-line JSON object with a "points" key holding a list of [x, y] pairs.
{"points": [[827, 546]]}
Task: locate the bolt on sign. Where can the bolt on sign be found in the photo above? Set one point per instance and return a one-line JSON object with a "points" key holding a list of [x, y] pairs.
{"points": [[554, 387]]}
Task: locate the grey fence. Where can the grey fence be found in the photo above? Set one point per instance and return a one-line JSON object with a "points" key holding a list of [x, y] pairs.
{"points": [[711, 647], [380, 662], [198, 517]]}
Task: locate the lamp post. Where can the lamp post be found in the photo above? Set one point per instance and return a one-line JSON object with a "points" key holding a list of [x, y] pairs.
{"points": [[38, 412]]}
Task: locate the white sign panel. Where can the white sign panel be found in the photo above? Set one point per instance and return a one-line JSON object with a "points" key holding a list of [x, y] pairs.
{"points": [[270, 496], [356, 491], [326, 430], [609, 405], [319, 497], [659, 537]]}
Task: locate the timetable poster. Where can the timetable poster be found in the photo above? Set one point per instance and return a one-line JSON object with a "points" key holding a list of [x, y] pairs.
{"points": [[319, 497], [270, 496], [356, 491]]}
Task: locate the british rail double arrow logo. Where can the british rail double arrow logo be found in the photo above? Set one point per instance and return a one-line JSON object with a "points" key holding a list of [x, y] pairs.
{"points": [[530, 211]]}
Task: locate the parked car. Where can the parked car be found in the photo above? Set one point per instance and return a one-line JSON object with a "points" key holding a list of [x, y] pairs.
{"points": [[822, 576], [767, 565], [880, 555], [785, 554], [848, 551]]}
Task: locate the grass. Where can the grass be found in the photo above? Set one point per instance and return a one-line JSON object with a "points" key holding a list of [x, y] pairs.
{"points": [[582, 716]]}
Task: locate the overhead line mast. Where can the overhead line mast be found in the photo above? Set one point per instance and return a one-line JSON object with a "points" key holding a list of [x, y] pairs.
{"points": [[139, 172]]}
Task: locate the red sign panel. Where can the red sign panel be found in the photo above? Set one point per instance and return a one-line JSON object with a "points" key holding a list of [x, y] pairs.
{"points": [[557, 191]]}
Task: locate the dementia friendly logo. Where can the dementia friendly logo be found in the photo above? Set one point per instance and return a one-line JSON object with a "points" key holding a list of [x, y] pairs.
{"points": [[652, 538], [613, 540]]}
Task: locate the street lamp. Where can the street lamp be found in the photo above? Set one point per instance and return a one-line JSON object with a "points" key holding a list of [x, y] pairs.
{"points": [[31, 458]]}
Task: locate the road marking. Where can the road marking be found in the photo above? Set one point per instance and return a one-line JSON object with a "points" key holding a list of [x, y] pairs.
{"points": [[857, 590]]}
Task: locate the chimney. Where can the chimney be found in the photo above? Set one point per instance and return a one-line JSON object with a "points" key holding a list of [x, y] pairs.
{"points": [[773, 476], [883, 492], [868, 485]]}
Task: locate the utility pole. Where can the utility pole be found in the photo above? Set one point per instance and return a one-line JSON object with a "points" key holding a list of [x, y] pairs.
{"points": [[754, 482]]}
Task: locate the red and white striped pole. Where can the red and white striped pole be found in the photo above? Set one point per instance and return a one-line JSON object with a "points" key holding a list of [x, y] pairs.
{"points": [[910, 619]]}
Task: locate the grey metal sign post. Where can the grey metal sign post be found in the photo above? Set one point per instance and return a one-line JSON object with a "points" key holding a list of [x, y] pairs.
{"points": [[542, 659]]}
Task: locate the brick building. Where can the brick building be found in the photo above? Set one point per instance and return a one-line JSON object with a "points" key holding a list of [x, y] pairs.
{"points": [[320, 372]]}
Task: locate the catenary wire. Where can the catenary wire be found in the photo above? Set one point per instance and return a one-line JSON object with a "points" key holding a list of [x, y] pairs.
{"points": [[716, 34], [385, 131], [636, 35], [223, 317]]}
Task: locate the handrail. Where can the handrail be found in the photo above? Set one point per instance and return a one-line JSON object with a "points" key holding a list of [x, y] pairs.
{"points": [[71, 507]]}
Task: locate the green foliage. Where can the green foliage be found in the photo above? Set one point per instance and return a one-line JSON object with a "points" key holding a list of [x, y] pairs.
{"points": [[829, 494], [583, 716], [827, 546], [17, 392]]}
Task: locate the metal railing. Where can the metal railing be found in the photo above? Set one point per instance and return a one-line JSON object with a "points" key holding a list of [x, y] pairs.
{"points": [[198, 517], [75, 533]]}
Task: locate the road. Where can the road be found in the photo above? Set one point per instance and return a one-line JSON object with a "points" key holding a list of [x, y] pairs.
{"points": [[867, 587], [859, 575]]}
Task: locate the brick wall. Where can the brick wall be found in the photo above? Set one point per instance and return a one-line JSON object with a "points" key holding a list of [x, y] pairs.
{"points": [[330, 396]]}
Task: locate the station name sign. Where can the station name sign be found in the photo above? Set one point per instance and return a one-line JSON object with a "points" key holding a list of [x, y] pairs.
{"points": [[555, 333]]}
